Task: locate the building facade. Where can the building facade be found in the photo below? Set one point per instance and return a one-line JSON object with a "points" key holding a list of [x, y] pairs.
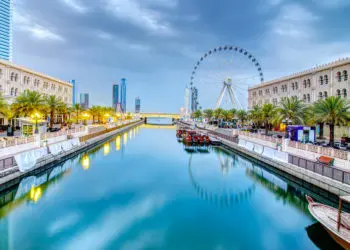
{"points": [[123, 95], [6, 30], [15, 79], [331, 79], [194, 99], [84, 100], [115, 96], [137, 105]]}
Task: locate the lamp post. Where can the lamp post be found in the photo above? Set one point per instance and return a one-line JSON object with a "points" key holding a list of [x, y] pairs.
{"points": [[36, 116], [85, 117]]}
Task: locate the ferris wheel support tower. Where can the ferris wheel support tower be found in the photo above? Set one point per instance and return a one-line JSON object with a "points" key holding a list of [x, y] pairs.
{"points": [[227, 85]]}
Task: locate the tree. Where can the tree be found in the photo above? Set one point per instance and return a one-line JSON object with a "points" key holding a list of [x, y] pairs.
{"points": [[208, 113], [218, 113], [28, 102], [268, 110], [233, 113], [334, 111], [94, 112], [226, 114], [77, 109], [242, 115], [255, 115], [291, 109], [197, 114], [4, 107], [54, 105]]}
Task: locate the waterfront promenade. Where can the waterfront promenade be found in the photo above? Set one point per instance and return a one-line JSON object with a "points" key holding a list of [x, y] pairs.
{"points": [[277, 154], [43, 152]]}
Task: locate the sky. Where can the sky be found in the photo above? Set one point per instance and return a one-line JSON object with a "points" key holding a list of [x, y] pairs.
{"points": [[155, 44]]}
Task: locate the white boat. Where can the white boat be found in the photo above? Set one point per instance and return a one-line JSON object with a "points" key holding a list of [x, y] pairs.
{"points": [[336, 222]]}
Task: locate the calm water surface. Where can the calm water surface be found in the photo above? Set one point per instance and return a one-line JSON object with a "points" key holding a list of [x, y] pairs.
{"points": [[142, 190]]}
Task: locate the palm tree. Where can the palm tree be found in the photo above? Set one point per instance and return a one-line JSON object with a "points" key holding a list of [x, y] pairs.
{"points": [[94, 112], [226, 114], [197, 114], [242, 115], [54, 105], [291, 109], [28, 102], [334, 111], [255, 115], [4, 107], [218, 113], [77, 109], [268, 110], [233, 113], [208, 113]]}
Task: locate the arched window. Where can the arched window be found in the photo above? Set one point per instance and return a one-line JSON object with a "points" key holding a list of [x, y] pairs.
{"points": [[325, 78], [345, 94], [339, 76], [12, 76], [308, 98], [292, 85], [338, 93], [12, 91], [16, 91], [305, 84], [320, 95], [345, 74], [308, 83], [24, 79], [325, 94], [296, 85], [304, 98], [28, 80], [321, 80], [16, 77]]}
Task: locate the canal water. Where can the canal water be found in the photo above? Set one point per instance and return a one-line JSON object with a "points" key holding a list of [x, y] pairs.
{"points": [[143, 190]]}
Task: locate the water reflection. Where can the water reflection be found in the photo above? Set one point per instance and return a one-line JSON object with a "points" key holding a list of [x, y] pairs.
{"points": [[106, 148], [117, 143], [125, 138], [85, 161]]}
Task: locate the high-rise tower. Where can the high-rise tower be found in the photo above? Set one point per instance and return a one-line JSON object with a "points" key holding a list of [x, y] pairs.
{"points": [[115, 96], [123, 94], [137, 105], [6, 30]]}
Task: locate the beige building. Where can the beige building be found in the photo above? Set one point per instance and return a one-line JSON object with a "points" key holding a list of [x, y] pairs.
{"points": [[15, 79], [309, 85]]}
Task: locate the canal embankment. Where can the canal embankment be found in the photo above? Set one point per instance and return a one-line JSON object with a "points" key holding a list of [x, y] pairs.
{"points": [[12, 176], [331, 179]]}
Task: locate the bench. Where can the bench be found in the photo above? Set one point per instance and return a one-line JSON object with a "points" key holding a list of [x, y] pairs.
{"points": [[325, 160]]}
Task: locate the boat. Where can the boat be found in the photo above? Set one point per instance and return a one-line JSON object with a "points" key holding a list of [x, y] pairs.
{"points": [[335, 221]]}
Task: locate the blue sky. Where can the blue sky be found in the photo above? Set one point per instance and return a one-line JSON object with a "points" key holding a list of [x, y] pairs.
{"points": [[155, 43]]}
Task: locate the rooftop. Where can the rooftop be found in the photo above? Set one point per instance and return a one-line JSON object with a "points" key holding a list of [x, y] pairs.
{"points": [[316, 69]]}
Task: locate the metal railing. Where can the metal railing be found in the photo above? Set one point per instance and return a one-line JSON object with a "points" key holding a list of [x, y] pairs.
{"points": [[320, 168]]}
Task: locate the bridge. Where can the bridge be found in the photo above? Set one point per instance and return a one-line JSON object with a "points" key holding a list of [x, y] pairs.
{"points": [[161, 115]]}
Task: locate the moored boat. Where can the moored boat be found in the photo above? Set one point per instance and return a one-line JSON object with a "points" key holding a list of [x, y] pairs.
{"points": [[336, 222]]}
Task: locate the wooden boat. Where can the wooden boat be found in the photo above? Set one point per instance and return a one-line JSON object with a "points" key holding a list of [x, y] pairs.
{"points": [[188, 139], [336, 222], [201, 139], [195, 139]]}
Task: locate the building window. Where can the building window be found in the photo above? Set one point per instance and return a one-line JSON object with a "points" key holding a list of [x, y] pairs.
{"points": [[305, 84], [28, 80], [345, 93], [309, 83], [24, 79], [339, 76], [12, 91], [304, 98], [296, 85], [320, 95], [345, 74], [12, 76], [260, 92], [16, 77], [46, 85], [16, 91], [53, 87], [338, 93], [325, 94], [325, 78], [308, 98], [321, 80]]}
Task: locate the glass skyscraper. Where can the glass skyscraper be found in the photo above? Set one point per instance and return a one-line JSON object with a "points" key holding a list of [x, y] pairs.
{"points": [[74, 90], [84, 100], [123, 95], [115, 96], [137, 105], [6, 30]]}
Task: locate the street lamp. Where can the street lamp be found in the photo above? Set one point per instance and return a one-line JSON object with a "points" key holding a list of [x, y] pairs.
{"points": [[85, 117], [36, 116]]}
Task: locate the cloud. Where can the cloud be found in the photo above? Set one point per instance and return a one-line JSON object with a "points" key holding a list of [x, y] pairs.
{"points": [[75, 5], [24, 22], [332, 3], [114, 223], [138, 14]]}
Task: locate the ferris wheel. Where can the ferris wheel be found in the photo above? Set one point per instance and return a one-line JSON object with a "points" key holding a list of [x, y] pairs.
{"points": [[225, 69]]}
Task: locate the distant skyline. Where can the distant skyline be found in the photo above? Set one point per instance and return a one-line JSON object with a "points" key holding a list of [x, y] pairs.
{"points": [[155, 43]]}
